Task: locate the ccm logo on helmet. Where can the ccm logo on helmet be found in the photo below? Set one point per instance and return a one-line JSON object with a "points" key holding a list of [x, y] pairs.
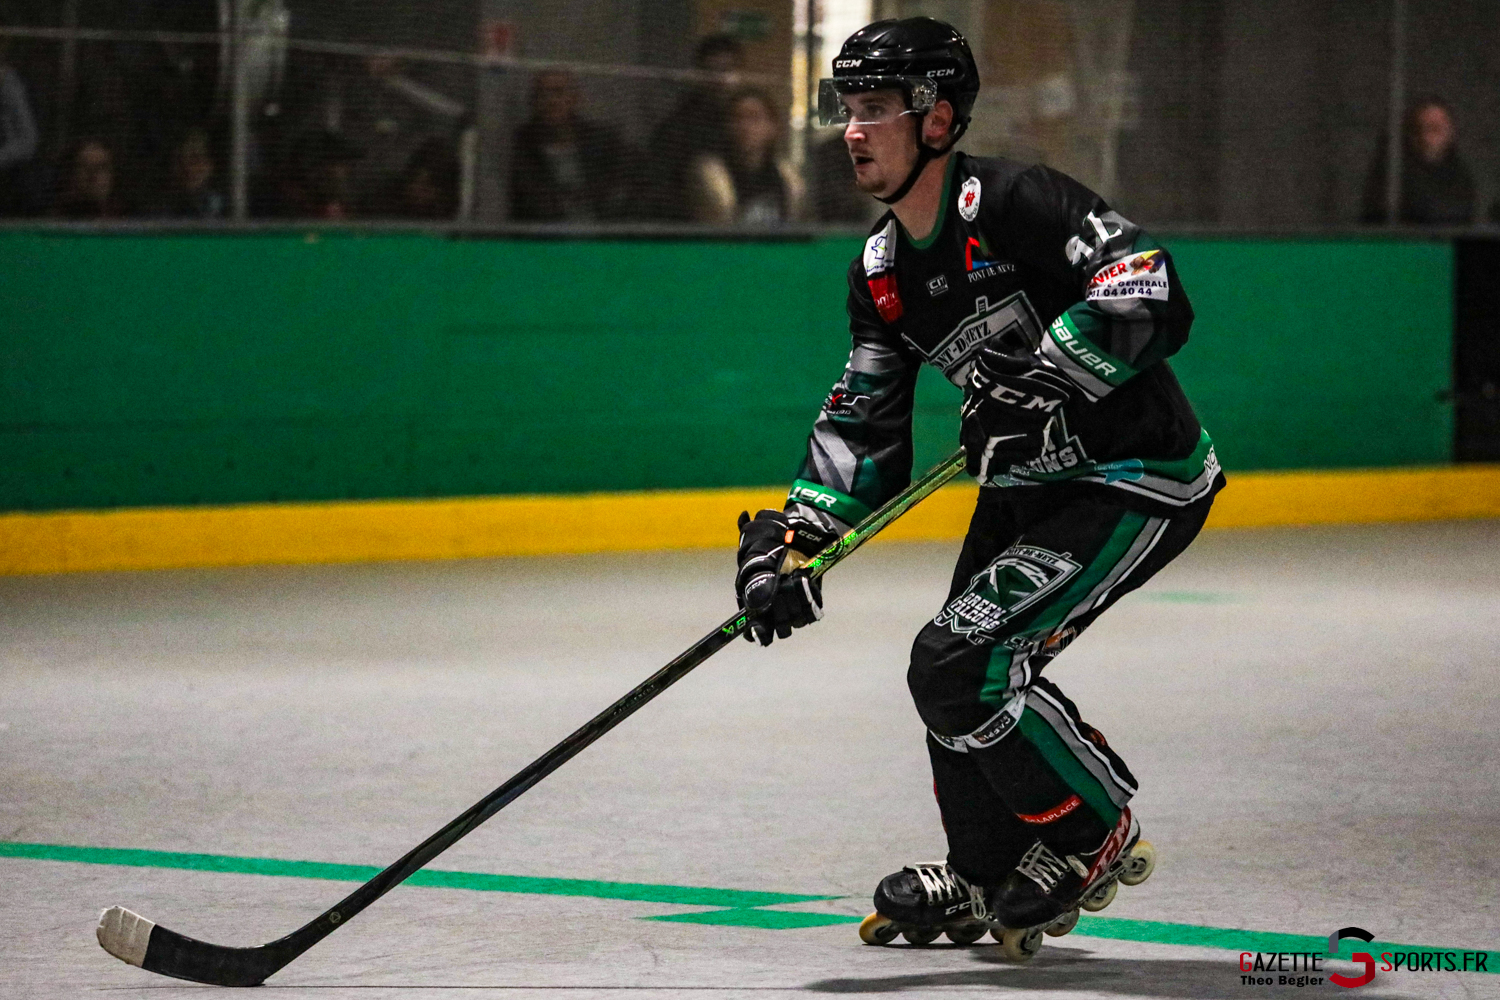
{"points": [[941, 72], [846, 63]]}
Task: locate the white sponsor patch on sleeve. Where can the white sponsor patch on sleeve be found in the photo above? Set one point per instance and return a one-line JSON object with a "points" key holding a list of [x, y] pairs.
{"points": [[880, 250], [1140, 276]]}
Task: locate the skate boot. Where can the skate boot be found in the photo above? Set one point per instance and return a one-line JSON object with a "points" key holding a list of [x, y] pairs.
{"points": [[924, 901], [1045, 892]]}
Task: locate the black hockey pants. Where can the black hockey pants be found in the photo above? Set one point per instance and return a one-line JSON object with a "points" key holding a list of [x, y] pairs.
{"points": [[1012, 761]]}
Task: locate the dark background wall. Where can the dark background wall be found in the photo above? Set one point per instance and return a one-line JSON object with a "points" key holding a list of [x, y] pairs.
{"points": [[1267, 114], [1248, 115], [186, 369], [1476, 352]]}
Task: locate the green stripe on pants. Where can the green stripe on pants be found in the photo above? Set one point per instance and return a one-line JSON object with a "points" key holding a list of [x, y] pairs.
{"points": [[1039, 733], [996, 688], [1120, 540]]}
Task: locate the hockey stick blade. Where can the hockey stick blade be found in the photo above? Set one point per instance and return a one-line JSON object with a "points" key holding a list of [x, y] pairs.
{"points": [[137, 941]]}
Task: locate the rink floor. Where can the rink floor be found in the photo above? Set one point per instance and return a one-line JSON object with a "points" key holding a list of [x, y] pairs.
{"points": [[1312, 713]]}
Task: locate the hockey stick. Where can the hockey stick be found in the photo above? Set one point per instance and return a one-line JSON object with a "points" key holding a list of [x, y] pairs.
{"points": [[138, 941]]}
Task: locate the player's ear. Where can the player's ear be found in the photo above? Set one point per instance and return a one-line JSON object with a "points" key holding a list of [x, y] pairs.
{"points": [[936, 124]]}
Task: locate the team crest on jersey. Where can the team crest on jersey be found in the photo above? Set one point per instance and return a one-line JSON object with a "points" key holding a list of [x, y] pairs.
{"points": [[1020, 577], [968, 199], [1012, 319]]}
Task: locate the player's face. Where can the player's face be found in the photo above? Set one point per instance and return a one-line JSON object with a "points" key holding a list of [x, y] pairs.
{"points": [[881, 140]]}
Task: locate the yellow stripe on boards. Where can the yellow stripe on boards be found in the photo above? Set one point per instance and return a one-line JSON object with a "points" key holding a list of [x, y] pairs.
{"points": [[362, 531], [1357, 496], [379, 530]]}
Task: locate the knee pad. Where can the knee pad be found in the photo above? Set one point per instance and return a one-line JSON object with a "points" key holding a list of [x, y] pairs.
{"points": [[991, 732], [946, 678]]}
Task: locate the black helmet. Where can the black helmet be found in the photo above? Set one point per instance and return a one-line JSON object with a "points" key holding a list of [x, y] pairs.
{"points": [[925, 59]]}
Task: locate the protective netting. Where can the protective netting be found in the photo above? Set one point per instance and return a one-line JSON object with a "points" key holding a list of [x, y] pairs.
{"points": [[590, 112], [404, 111]]}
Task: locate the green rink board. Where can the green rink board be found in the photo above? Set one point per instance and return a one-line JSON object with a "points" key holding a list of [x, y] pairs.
{"points": [[194, 369]]}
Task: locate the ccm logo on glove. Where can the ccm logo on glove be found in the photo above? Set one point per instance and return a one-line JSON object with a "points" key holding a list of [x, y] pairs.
{"points": [[770, 583], [1009, 407]]}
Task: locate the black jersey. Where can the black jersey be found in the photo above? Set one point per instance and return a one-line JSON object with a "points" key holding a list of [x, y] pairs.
{"points": [[1026, 256]]}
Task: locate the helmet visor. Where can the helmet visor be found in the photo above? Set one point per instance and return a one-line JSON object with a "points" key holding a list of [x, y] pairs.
{"points": [[839, 103]]}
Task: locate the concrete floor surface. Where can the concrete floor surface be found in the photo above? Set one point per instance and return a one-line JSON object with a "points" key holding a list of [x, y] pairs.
{"points": [[1312, 715]]}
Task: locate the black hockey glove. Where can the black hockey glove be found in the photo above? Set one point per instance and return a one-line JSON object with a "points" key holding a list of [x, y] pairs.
{"points": [[769, 584], [1010, 406]]}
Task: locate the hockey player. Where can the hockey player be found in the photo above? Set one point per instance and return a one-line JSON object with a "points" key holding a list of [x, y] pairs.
{"points": [[1056, 316]]}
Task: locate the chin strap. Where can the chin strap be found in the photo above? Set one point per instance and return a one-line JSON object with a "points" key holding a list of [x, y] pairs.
{"points": [[925, 155]]}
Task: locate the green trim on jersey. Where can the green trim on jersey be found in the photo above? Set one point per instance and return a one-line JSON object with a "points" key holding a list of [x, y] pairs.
{"points": [[1039, 733], [942, 216], [820, 497], [1183, 470], [1070, 333], [1178, 482]]}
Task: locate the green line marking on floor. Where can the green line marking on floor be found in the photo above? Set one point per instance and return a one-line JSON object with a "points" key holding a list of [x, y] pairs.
{"points": [[1187, 597], [771, 920], [431, 878], [733, 907]]}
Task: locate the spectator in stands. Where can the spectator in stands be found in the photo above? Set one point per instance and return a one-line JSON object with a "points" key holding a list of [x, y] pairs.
{"points": [[697, 125], [565, 167], [18, 137], [385, 113], [90, 191], [1437, 187], [428, 187], [318, 180], [705, 108], [193, 194], [749, 183]]}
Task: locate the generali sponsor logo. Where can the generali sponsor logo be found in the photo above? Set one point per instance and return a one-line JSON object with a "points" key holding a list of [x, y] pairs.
{"points": [[1143, 276]]}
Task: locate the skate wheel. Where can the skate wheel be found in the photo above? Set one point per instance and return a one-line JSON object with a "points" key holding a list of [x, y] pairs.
{"points": [[1101, 897], [1063, 924], [922, 935], [876, 929], [1020, 943], [966, 933], [1141, 864]]}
